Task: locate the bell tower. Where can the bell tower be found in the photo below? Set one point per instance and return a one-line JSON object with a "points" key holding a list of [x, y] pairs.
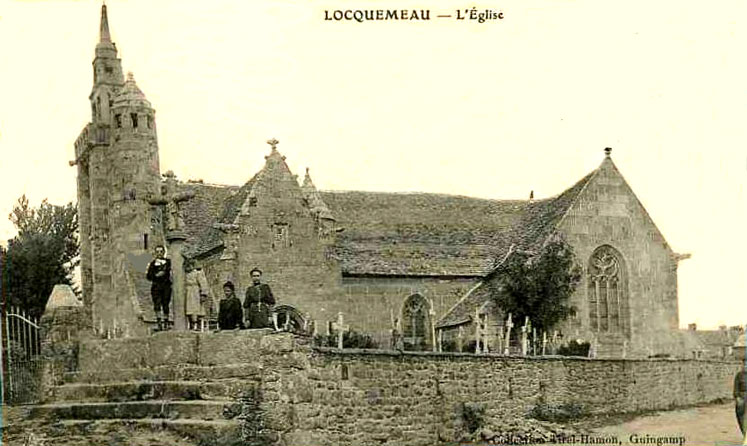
{"points": [[118, 172]]}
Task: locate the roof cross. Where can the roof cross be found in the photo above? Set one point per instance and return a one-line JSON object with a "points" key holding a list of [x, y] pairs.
{"points": [[273, 143]]}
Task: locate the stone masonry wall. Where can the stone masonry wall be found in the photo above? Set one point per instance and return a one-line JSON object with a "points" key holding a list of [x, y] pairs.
{"points": [[372, 303], [608, 213], [305, 396], [417, 399]]}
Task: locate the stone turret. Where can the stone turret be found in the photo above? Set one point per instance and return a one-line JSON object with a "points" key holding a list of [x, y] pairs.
{"points": [[118, 171]]}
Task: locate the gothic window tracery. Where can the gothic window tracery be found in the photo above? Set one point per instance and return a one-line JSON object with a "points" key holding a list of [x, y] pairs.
{"points": [[415, 323], [607, 292]]}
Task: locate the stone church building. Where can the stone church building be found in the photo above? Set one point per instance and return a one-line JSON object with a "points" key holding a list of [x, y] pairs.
{"points": [[415, 261]]}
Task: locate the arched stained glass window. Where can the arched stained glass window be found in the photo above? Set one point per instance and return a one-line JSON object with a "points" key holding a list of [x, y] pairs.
{"points": [[607, 292], [416, 323]]}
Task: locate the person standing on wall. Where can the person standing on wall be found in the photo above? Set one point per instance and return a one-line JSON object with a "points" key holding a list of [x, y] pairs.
{"points": [[197, 294], [230, 315], [740, 390], [259, 303], [159, 274]]}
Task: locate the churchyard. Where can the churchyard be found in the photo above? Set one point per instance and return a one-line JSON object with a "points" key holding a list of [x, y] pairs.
{"points": [[267, 387]]}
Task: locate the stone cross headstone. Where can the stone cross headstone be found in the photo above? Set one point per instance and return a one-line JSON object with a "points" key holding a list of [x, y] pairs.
{"points": [[500, 333], [340, 328], [524, 336], [544, 343], [509, 325], [478, 332], [460, 338]]}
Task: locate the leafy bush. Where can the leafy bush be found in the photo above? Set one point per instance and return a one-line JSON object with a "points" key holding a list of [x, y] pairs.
{"points": [[350, 339], [575, 348], [473, 416]]}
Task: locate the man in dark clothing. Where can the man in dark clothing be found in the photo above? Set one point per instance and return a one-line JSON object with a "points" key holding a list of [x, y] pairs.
{"points": [[258, 303], [230, 315], [740, 394], [159, 273]]}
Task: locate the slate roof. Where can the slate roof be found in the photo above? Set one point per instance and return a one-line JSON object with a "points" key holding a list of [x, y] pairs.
{"points": [[420, 234], [399, 234], [538, 221], [211, 204]]}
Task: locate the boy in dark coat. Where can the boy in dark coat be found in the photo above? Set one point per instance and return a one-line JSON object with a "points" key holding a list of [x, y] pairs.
{"points": [[159, 273], [230, 315]]}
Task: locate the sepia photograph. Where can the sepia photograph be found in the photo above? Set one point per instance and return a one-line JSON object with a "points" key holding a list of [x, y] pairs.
{"points": [[354, 223]]}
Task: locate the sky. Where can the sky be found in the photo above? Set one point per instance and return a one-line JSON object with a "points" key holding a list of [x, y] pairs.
{"points": [[493, 109]]}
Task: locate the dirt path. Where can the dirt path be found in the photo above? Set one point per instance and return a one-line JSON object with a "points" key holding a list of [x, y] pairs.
{"points": [[699, 426]]}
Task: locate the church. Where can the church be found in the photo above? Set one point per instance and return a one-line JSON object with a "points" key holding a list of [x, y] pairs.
{"points": [[411, 262]]}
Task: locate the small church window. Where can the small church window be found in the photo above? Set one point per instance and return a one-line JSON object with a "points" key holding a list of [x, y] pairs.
{"points": [[118, 121], [108, 69], [145, 242], [150, 121], [133, 116], [607, 291], [280, 235]]}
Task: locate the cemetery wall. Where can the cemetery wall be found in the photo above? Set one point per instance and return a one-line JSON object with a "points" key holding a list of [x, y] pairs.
{"points": [[362, 397], [308, 396]]}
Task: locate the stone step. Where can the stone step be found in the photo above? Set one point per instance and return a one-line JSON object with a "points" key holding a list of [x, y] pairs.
{"points": [[128, 431], [161, 409], [149, 390], [244, 371]]}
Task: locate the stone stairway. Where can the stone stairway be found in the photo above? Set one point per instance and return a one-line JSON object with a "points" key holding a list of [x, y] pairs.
{"points": [[172, 400], [194, 412]]}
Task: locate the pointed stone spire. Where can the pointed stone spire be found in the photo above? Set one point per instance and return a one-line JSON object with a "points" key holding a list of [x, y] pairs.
{"points": [[131, 95], [308, 186], [104, 36], [317, 206]]}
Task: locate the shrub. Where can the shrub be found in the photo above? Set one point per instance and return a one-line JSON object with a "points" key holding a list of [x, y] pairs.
{"points": [[350, 339], [473, 416], [561, 413], [575, 348]]}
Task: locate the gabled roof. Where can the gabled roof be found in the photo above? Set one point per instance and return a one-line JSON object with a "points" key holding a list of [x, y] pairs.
{"points": [[212, 204], [207, 207], [538, 222], [543, 216]]}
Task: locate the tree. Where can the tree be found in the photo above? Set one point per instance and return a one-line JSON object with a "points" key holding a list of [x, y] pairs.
{"points": [[42, 255], [538, 285]]}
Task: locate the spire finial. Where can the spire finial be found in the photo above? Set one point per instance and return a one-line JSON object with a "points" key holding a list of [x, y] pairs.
{"points": [[104, 35], [273, 143], [607, 151], [130, 77]]}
